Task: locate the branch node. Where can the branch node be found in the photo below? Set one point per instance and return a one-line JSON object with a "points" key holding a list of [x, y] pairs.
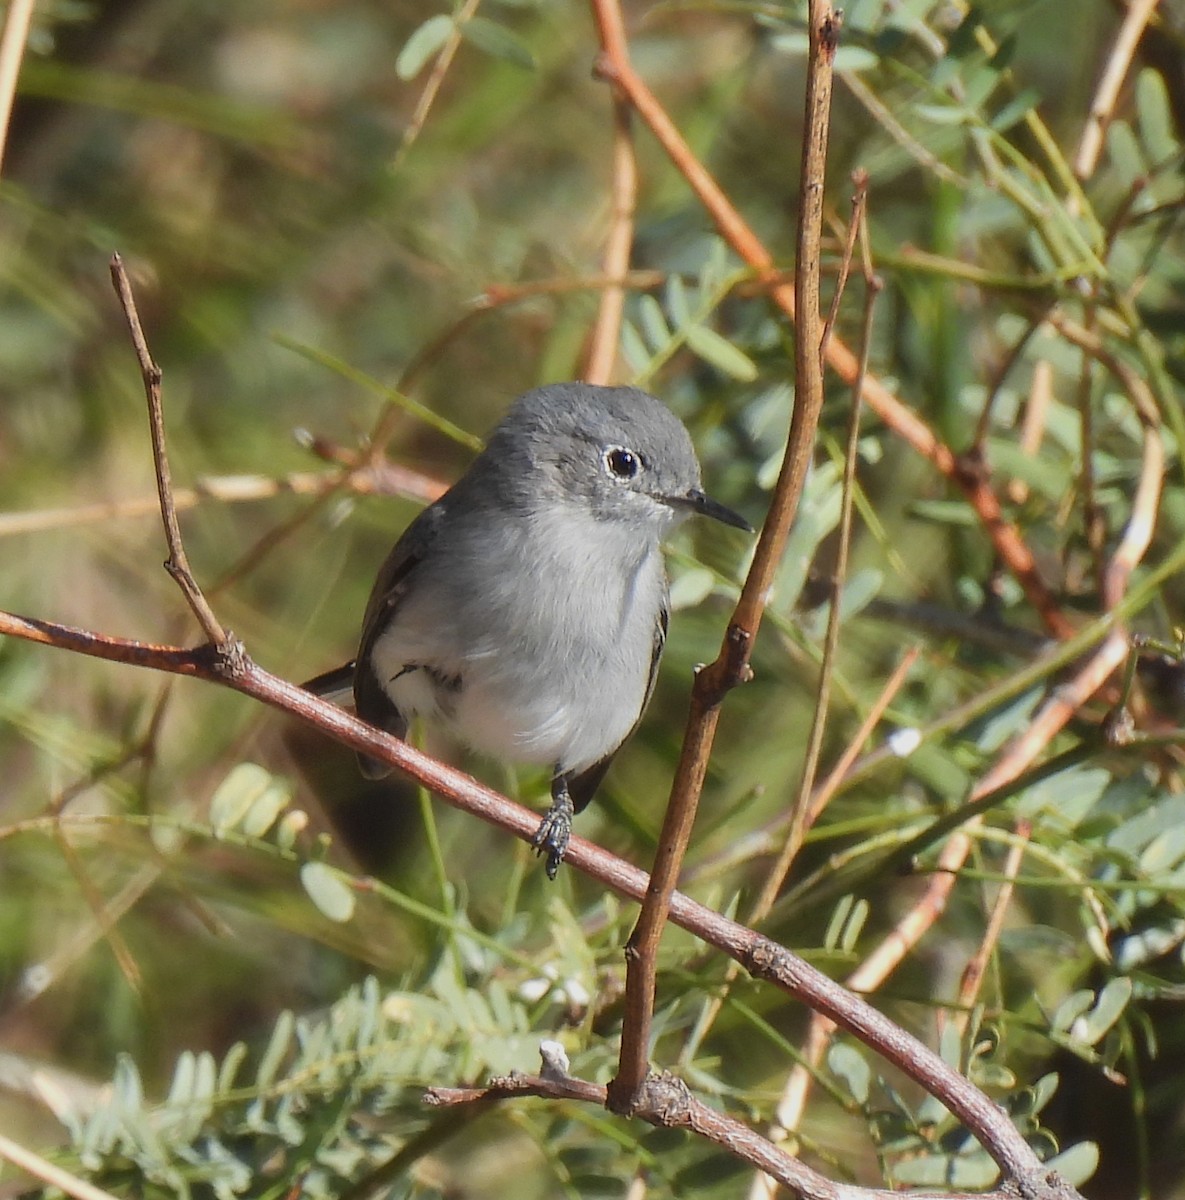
{"points": [[667, 1097], [605, 70]]}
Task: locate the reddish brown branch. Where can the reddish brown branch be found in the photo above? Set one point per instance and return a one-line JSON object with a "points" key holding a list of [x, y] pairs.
{"points": [[602, 350], [758, 954]]}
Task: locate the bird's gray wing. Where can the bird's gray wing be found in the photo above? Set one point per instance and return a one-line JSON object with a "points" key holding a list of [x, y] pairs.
{"points": [[582, 787], [395, 576]]}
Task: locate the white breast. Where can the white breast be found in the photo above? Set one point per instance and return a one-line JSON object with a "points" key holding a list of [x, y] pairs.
{"points": [[552, 650]]}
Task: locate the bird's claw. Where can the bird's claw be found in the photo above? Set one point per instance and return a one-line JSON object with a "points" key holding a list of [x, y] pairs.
{"points": [[551, 838]]}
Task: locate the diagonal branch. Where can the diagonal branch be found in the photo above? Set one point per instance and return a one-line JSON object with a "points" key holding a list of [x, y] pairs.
{"points": [[758, 954]]}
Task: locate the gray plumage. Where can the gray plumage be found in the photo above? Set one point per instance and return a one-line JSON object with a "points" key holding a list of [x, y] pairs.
{"points": [[526, 609]]}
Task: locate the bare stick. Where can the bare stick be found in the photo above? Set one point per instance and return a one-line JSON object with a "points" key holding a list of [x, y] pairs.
{"points": [[803, 806], [382, 479], [732, 666], [1139, 12], [602, 350], [177, 564], [975, 970], [47, 1172]]}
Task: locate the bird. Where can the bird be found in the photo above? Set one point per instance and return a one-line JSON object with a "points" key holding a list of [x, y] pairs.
{"points": [[527, 608]]}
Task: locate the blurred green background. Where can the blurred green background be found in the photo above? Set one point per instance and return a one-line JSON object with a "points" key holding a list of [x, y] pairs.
{"points": [[304, 231]]}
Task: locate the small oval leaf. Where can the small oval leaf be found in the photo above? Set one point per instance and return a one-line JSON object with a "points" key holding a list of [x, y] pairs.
{"points": [[327, 891], [721, 353], [235, 795], [424, 42], [498, 41]]}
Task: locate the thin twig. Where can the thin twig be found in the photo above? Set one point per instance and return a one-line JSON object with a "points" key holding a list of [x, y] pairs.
{"points": [[177, 564], [731, 667], [1139, 12], [606, 334], [435, 80], [976, 968], [803, 805], [12, 50], [859, 196], [47, 1172], [383, 479]]}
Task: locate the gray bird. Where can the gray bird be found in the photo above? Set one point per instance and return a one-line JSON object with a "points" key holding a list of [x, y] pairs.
{"points": [[527, 608]]}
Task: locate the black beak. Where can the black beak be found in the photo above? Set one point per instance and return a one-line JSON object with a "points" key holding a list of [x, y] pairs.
{"points": [[707, 507]]}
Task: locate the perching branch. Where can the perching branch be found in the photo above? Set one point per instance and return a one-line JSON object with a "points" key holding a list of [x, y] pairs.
{"points": [[759, 955]]}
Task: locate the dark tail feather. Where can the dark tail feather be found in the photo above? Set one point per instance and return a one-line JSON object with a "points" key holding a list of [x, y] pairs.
{"points": [[337, 684]]}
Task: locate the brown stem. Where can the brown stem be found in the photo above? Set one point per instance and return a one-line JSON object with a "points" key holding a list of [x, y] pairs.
{"points": [[732, 665], [177, 564], [12, 51], [602, 350], [803, 804]]}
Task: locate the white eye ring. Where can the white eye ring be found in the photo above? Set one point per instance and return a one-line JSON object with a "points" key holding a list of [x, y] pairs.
{"points": [[621, 462]]}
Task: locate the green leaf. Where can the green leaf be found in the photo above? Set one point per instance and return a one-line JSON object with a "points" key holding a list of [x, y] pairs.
{"points": [[633, 348], [654, 324], [277, 1049], [328, 891], [850, 1065], [1015, 110], [677, 303], [1077, 1164], [498, 41], [721, 353], [246, 785], [1075, 1005], [424, 42], [1123, 149], [1113, 999], [690, 587], [1156, 118]]}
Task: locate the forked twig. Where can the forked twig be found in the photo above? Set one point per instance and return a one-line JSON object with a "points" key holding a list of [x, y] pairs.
{"points": [[177, 564]]}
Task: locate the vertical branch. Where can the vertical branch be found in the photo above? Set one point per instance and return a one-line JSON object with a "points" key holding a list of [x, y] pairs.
{"points": [[731, 667], [177, 564], [602, 350]]}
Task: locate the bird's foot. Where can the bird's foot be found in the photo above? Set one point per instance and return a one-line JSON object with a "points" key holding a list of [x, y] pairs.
{"points": [[551, 838]]}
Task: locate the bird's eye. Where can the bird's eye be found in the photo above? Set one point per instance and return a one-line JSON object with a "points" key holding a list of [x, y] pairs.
{"points": [[622, 463]]}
